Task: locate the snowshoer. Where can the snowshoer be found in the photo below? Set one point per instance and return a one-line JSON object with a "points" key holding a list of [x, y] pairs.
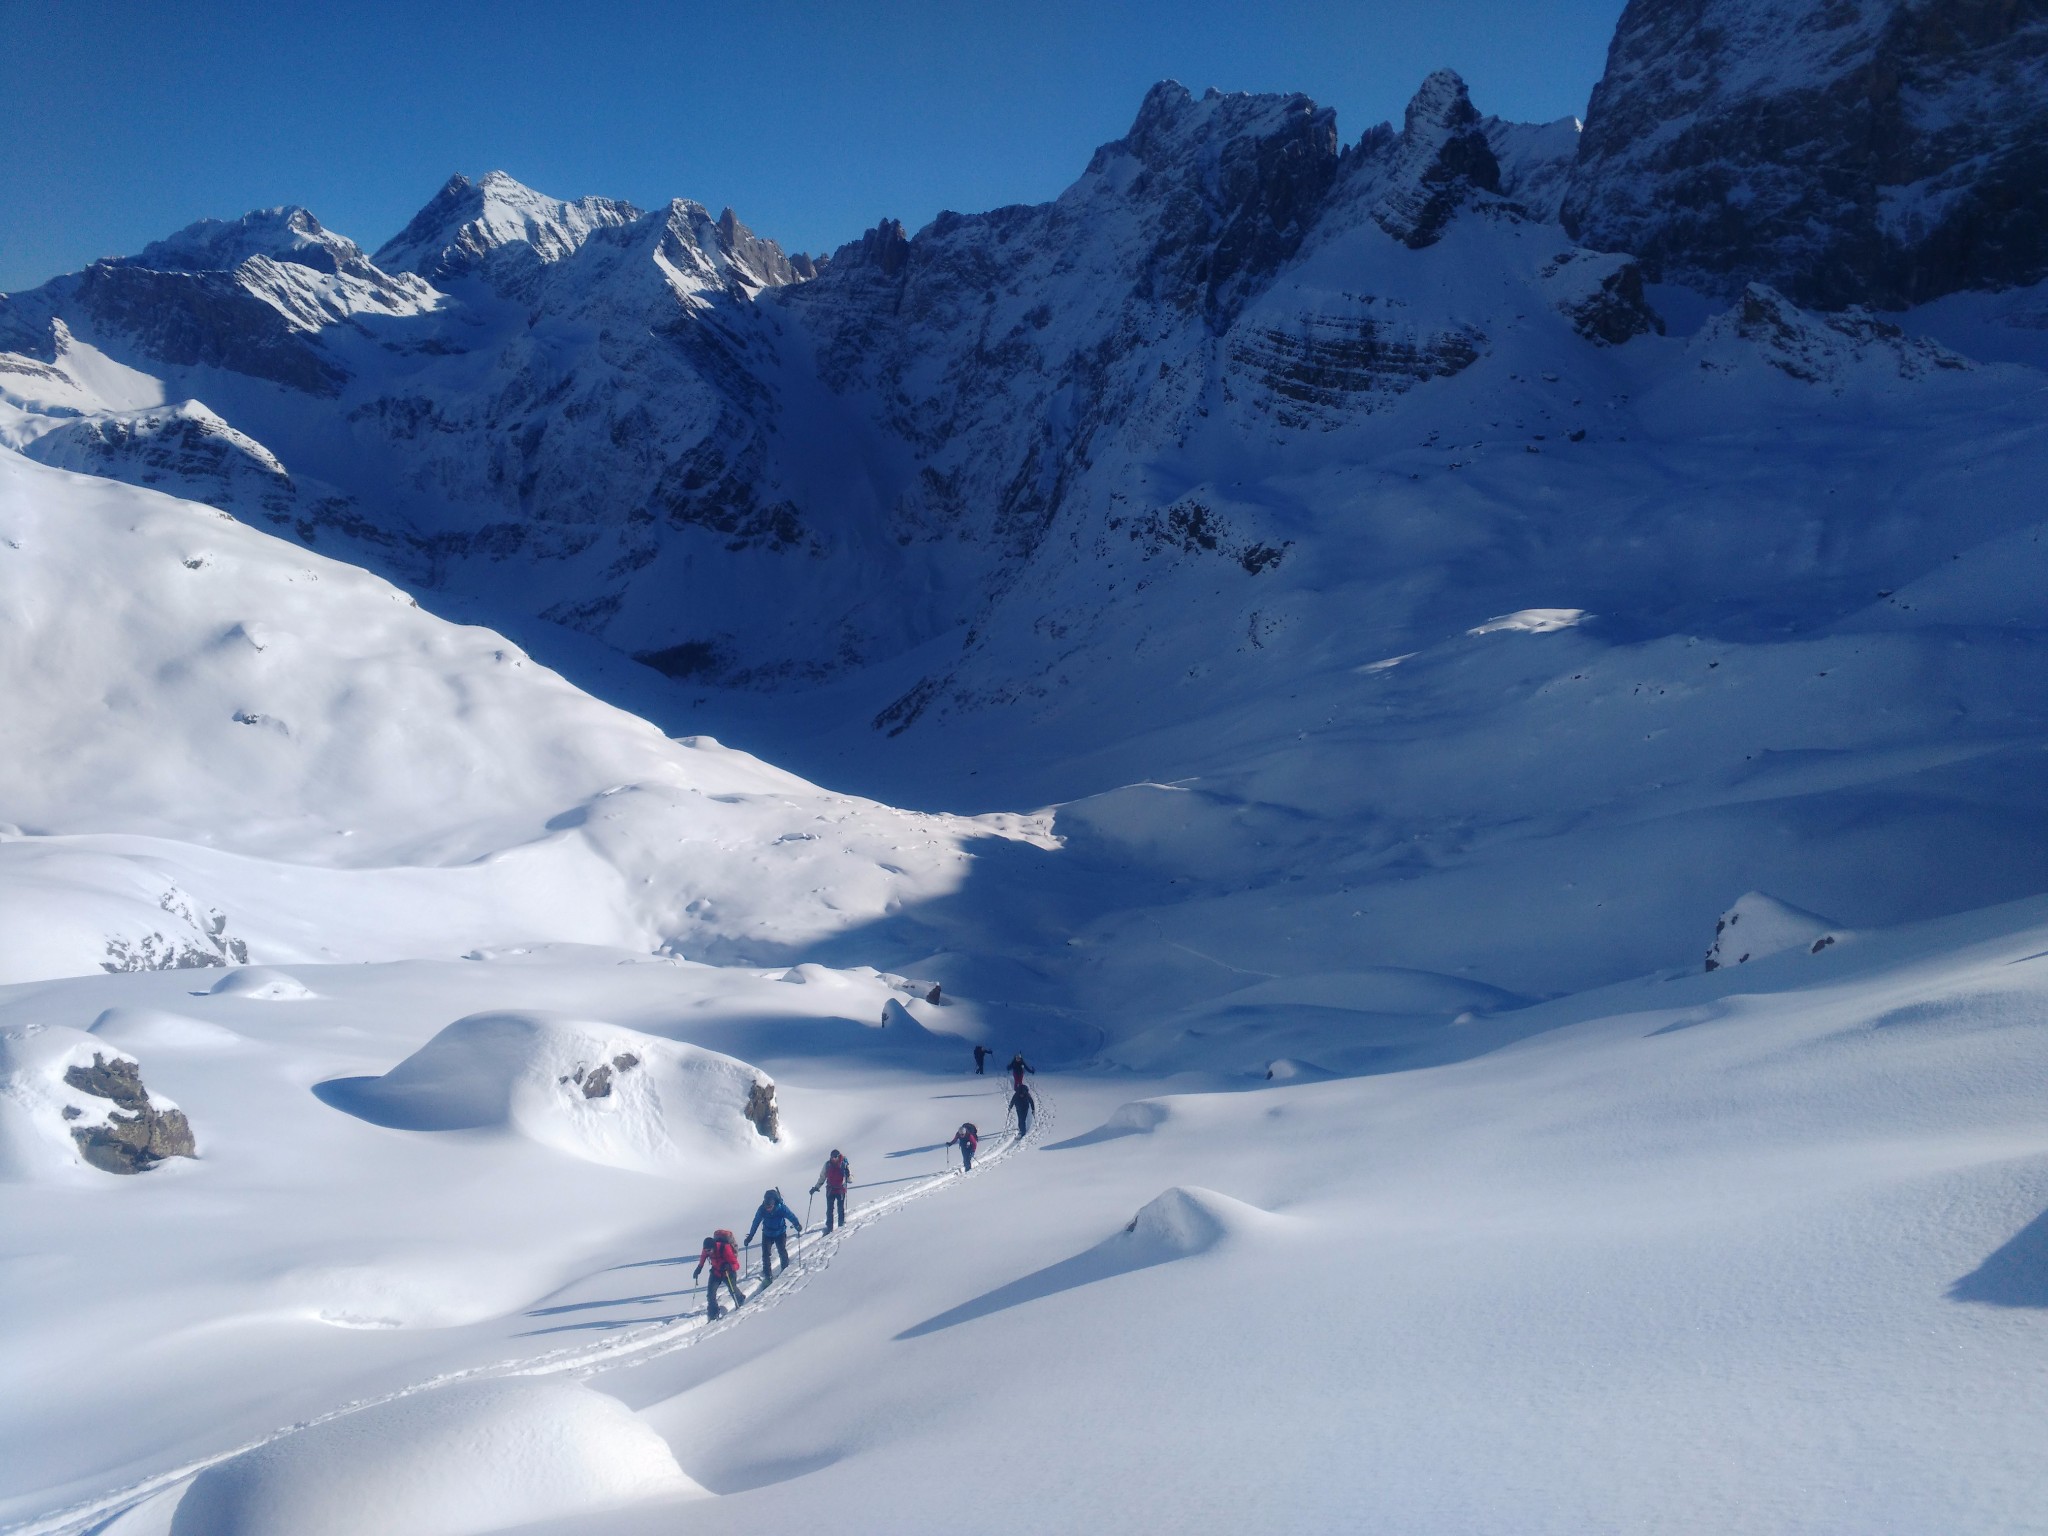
{"points": [[1022, 1103], [723, 1255], [981, 1056], [967, 1138], [836, 1175], [1018, 1067], [773, 1221]]}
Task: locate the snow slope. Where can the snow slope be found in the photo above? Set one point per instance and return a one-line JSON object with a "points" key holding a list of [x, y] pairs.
{"points": [[225, 748]]}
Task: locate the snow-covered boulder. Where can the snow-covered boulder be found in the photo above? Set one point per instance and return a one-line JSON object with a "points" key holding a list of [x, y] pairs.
{"points": [[596, 1091], [1759, 925], [1184, 1221], [68, 1098], [477, 1456], [1831, 350]]}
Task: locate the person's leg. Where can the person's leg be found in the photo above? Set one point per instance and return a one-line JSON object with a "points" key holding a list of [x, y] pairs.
{"points": [[767, 1258]]}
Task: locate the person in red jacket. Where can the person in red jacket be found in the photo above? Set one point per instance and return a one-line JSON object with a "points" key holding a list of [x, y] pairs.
{"points": [[722, 1253], [967, 1139], [837, 1174]]}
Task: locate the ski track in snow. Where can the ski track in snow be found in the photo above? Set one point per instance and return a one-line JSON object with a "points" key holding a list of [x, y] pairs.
{"points": [[630, 1346]]}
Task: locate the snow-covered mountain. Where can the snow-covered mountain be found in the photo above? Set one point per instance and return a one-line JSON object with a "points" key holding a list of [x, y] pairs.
{"points": [[1243, 442]]}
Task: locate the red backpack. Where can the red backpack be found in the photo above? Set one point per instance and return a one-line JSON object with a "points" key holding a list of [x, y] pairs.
{"points": [[725, 1253]]}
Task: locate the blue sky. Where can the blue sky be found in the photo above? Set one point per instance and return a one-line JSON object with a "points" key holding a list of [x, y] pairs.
{"points": [[131, 118]]}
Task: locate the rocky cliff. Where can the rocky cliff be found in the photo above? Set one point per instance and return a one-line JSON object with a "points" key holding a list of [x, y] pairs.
{"points": [[1881, 152]]}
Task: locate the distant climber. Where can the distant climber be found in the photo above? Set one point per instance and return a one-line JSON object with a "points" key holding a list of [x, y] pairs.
{"points": [[1018, 1067], [835, 1176], [1023, 1104], [773, 1221], [723, 1255], [981, 1056], [967, 1138]]}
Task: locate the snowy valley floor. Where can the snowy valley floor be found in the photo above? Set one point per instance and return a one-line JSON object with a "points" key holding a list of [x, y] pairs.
{"points": [[1763, 1250]]}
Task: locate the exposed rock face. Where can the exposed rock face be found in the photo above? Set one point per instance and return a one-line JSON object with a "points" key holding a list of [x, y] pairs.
{"points": [[1882, 152], [1602, 296], [197, 936], [1442, 159], [1234, 214], [133, 1142], [761, 1109]]}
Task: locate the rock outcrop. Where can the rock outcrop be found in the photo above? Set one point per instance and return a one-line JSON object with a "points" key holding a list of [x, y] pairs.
{"points": [[761, 1109], [136, 1134], [1880, 152]]}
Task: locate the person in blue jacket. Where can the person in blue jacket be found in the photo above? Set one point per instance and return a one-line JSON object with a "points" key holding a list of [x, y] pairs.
{"points": [[773, 1221]]}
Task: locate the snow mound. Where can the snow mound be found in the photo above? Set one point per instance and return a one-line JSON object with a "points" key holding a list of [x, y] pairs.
{"points": [[1532, 621], [155, 1029], [1759, 925], [1139, 1118], [1286, 1069], [261, 984], [595, 1091], [475, 1457], [1188, 1220]]}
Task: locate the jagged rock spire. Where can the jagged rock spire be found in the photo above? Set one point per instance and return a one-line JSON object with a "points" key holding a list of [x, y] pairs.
{"points": [[1441, 159]]}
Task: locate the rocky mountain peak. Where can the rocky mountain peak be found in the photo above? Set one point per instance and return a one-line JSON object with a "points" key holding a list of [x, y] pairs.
{"points": [[884, 249], [288, 234], [1440, 160], [760, 260], [1844, 151], [1234, 182], [464, 227]]}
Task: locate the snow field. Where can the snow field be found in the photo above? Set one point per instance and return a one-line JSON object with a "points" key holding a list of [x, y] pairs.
{"points": [[1747, 1249]]}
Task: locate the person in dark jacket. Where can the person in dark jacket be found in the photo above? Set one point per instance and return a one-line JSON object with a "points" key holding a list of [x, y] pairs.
{"points": [[1023, 1104], [981, 1056], [966, 1139], [1018, 1067], [773, 1221], [723, 1255], [836, 1175]]}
